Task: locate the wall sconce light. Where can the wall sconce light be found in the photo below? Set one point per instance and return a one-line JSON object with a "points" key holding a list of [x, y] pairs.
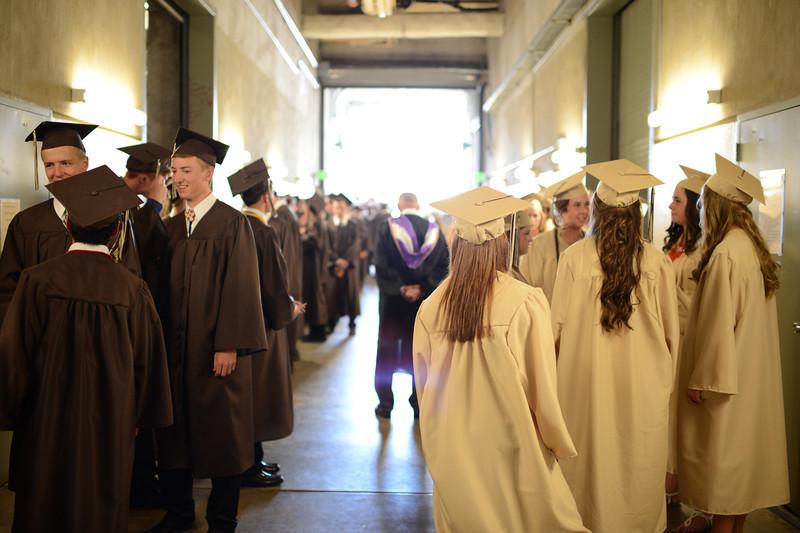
{"points": [[714, 96], [77, 95]]}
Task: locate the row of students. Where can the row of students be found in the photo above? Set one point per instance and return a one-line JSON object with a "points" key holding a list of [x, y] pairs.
{"points": [[86, 362], [565, 417]]}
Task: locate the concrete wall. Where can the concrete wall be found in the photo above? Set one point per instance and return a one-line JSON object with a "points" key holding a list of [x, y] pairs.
{"points": [[550, 101]]}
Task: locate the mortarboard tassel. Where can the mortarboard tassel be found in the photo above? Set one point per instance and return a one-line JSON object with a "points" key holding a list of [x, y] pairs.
{"points": [[35, 163]]}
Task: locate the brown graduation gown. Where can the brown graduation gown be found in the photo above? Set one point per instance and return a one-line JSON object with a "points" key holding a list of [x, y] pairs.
{"points": [[344, 294], [82, 364], [151, 243], [272, 374], [35, 235], [285, 224], [214, 305]]}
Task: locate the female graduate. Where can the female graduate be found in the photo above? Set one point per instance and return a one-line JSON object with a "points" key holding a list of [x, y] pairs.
{"points": [[731, 433], [615, 319], [484, 364], [682, 247], [571, 211]]}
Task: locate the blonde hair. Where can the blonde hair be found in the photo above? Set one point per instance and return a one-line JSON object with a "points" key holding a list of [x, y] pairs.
{"points": [[468, 289], [718, 216]]}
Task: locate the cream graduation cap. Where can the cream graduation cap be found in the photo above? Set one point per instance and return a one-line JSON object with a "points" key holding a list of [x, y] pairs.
{"points": [[568, 188], [480, 213], [735, 183], [694, 181], [620, 181]]}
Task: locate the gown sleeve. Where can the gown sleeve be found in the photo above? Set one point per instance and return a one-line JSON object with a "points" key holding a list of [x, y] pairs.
{"points": [[240, 322], [153, 397], [531, 341], [670, 321], [274, 283], [18, 342], [714, 352], [421, 347], [11, 264]]}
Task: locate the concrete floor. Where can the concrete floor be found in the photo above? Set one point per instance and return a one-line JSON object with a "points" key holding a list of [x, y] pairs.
{"points": [[345, 470]]}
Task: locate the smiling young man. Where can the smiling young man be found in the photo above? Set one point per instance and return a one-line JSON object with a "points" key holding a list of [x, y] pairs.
{"points": [[214, 321], [39, 233]]}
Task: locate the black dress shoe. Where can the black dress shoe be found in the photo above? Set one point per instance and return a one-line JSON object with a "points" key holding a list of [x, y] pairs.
{"points": [[352, 331], [383, 412], [261, 479], [170, 524], [313, 338], [272, 468]]}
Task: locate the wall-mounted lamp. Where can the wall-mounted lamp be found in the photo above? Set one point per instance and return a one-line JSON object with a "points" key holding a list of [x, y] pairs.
{"points": [[99, 105], [714, 96]]}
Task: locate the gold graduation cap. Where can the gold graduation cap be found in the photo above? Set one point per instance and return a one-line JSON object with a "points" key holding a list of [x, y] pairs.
{"points": [[735, 183], [620, 181], [568, 188], [480, 213], [248, 177], [146, 157], [54, 134], [95, 197], [188, 142], [523, 220], [694, 181]]}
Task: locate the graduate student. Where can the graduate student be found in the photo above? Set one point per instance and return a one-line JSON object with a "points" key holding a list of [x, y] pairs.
{"points": [[143, 176], [524, 236], [82, 366], [215, 321], [411, 259], [570, 207], [272, 371], [344, 293], [485, 369], [681, 246], [615, 321], [314, 238], [731, 430]]}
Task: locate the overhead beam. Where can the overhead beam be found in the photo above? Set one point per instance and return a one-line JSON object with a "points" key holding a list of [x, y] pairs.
{"points": [[403, 26]]}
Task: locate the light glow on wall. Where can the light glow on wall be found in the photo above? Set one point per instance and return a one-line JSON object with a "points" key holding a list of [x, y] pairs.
{"points": [[684, 104], [106, 101]]}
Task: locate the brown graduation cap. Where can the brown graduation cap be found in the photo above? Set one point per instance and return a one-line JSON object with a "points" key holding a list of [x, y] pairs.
{"points": [[316, 203], [188, 142], [480, 213], [54, 134], [248, 177], [95, 197], [147, 157]]}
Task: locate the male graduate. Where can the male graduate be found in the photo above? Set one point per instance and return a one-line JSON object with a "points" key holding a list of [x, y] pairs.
{"points": [[215, 321], [39, 232], [143, 176], [272, 374], [284, 222], [315, 263], [411, 259], [344, 297], [82, 365]]}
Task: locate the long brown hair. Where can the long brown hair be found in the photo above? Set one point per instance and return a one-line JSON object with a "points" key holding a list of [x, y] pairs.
{"points": [[617, 232], [720, 215], [473, 271], [693, 230]]}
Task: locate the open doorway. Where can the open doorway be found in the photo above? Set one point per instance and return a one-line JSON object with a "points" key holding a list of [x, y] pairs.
{"points": [[380, 142]]}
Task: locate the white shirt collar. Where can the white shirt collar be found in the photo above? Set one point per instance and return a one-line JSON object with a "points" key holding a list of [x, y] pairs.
{"points": [[59, 208], [341, 221], [83, 247], [201, 209], [411, 211]]}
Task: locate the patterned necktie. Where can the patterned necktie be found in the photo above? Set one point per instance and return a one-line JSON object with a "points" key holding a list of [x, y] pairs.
{"points": [[189, 214]]}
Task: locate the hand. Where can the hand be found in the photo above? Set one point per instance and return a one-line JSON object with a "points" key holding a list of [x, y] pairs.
{"points": [[224, 363], [363, 254], [695, 396], [342, 264], [411, 293], [299, 309]]}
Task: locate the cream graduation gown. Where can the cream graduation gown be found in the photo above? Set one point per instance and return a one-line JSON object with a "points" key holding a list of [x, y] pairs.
{"points": [[490, 421], [539, 265], [732, 447], [614, 390]]}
